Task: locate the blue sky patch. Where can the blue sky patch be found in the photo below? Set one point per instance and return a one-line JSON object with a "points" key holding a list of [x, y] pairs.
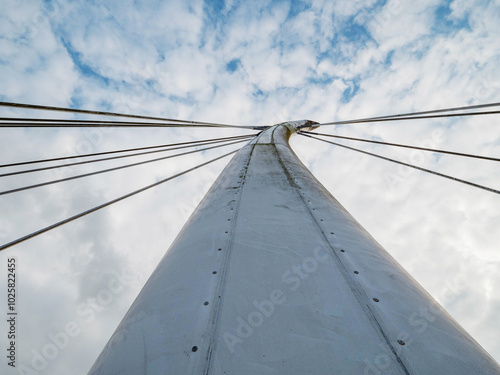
{"points": [[233, 65], [351, 91], [259, 94], [297, 7], [321, 81], [444, 24], [213, 18], [214, 12], [354, 32], [82, 67], [76, 102], [388, 58]]}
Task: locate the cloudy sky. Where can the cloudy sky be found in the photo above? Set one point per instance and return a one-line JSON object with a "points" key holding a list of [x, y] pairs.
{"points": [[243, 62]]}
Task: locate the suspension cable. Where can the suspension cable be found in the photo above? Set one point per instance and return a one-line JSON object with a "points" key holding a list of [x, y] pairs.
{"points": [[410, 118], [407, 165], [477, 106], [117, 151], [19, 122], [84, 213], [112, 124], [368, 119], [42, 120], [113, 157], [5, 192], [406, 146], [114, 114]]}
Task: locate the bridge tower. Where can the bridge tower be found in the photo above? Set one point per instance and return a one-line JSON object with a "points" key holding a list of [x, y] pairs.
{"points": [[271, 275]]}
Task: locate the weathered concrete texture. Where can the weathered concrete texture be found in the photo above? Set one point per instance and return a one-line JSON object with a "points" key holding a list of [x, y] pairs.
{"points": [[271, 275]]}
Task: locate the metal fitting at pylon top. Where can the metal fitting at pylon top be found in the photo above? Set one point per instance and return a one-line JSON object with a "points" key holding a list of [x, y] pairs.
{"points": [[306, 125]]}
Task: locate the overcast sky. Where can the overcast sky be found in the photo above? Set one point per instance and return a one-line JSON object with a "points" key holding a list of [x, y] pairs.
{"points": [[243, 62]]}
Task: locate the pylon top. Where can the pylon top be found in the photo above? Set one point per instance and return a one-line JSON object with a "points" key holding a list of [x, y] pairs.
{"points": [[306, 125]]}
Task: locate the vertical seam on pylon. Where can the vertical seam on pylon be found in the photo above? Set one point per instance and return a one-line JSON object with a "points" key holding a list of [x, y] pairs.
{"points": [[357, 289], [220, 289]]}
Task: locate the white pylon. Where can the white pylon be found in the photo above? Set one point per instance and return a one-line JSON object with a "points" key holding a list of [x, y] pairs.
{"points": [[271, 275]]}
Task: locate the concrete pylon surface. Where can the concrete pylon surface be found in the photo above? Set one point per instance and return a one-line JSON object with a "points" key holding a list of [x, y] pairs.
{"points": [[271, 275]]}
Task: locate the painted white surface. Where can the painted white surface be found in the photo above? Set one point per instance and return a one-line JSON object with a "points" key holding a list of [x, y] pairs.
{"points": [[284, 299]]}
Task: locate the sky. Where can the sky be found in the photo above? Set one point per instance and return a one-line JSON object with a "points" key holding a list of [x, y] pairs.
{"points": [[245, 63]]}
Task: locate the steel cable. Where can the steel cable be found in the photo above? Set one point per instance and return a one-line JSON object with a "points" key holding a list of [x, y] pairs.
{"points": [[409, 118], [110, 124], [5, 192], [117, 151], [369, 119], [84, 213], [407, 165], [114, 157], [102, 113], [406, 146]]}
